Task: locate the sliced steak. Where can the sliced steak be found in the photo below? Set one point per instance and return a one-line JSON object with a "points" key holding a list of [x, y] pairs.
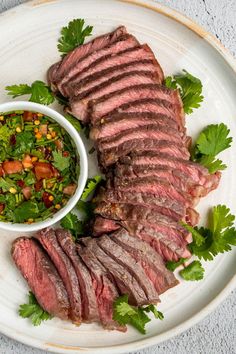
{"points": [[153, 185], [170, 247], [104, 226], [84, 50], [51, 74], [112, 102], [165, 206], [125, 281], [175, 177], [42, 277], [88, 297], [121, 256], [195, 171], [112, 155], [105, 290], [80, 103], [48, 240], [151, 261], [116, 123], [75, 88], [138, 213], [123, 43]]}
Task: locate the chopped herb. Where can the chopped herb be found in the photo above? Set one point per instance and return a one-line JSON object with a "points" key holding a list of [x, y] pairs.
{"points": [[39, 91], [91, 151], [73, 35], [194, 271], [34, 311], [75, 122], [60, 162], [135, 316], [27, 210], [190, 89]]}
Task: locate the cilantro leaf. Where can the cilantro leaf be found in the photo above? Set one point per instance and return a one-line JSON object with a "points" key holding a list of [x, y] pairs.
{"points": [[218, 237], [60, 162], [24, 143], [171, 265], [73, 224], [73, 35], [26, 210], [75, 122], [211, 163], [6, 184], [39, 91], [194, 271], [190, 89], [18, 90], [5, 134], [197, 237], [33, 311], [124, 314], [86, 208], [91, 185]]}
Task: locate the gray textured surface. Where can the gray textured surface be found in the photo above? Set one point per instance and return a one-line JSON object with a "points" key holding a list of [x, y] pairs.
{"points": [[217, 332]]}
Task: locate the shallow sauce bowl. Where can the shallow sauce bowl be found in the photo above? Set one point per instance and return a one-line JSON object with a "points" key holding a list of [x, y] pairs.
{"points": [[63, 122]]}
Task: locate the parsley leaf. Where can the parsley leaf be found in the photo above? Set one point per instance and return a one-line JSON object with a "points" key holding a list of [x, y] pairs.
{"points": [[171, 265], [211, 141], [73, 35], [190, 89], [39, 91], [218, 237], [33, 311], [124, 314], [73, 224], [194, 271], [60, 162], [91, 185]]}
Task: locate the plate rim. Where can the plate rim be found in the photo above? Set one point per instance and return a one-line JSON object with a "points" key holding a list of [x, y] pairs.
{"points": [[212, 305]]}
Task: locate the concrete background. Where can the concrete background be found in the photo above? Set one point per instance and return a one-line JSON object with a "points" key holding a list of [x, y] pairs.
{"points": [[217, 332]]}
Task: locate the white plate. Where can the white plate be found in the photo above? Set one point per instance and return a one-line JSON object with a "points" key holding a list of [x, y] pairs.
{"points": [[28, 47]]}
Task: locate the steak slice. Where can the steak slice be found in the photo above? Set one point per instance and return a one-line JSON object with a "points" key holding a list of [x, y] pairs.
{"points": [[48, 240], [75, 88], [124, 42], [119, 122], [121, 256], [175, 177], [195, 171], [104, 226], [165, 206], [169, 246], [153, 185], [138, 213], [125, 281], [112, 155], [151, 261], [105, 290], [80, 103], [88, 297], [84, 50], [112, 102], [42, 277]]}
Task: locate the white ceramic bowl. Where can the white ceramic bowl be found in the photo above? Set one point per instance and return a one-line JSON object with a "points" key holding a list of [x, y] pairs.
{"points": [[35, 107]]}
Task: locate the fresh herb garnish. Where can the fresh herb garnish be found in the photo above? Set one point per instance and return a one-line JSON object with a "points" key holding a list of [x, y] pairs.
{"points": [[211, 141], [73, 224], [75, 122], [60, 162], [39, 91], [26, 210], [171, 265], [73, 35], [190, 89], [33, 311], [135, 316], [194, 271], [217, 238], [91, 185]]}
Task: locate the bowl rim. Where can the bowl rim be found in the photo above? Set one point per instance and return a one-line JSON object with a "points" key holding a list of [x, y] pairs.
{"points": [[62, 121]]}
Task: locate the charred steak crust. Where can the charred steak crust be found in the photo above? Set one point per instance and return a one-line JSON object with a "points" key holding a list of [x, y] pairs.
{"points": [[41, 276]]}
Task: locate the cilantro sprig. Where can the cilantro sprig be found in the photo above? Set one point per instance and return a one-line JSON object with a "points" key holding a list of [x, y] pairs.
{"points": [[39, 91], [190, 89], [91, 185], [194, 271], [73, 224], [211, 141], [33, 311], [124, 314], [73, 35]]}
